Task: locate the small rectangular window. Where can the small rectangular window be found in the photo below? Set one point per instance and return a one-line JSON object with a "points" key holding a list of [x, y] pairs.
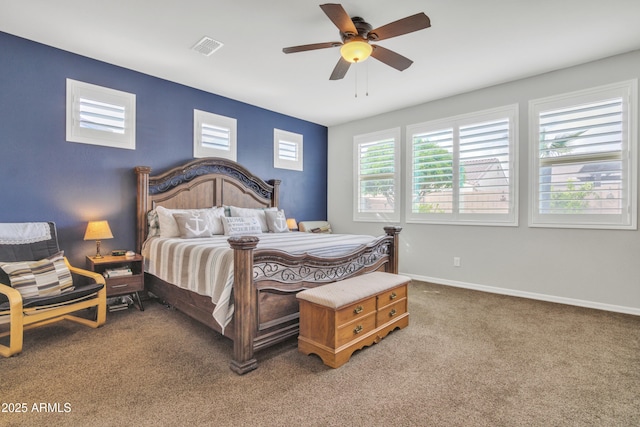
{"points": [[287, 150], [214, 135], [100, 116]]}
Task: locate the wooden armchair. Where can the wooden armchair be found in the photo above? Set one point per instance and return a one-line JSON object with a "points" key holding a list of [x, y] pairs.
{"points": [[38, 286]]}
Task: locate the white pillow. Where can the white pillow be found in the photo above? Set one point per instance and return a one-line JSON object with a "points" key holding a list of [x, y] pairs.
{"points": [[252, 213], [239, 226], [215, 220]]}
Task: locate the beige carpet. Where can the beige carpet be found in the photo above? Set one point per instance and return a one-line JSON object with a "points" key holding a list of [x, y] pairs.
{"points": [[466, 359]]}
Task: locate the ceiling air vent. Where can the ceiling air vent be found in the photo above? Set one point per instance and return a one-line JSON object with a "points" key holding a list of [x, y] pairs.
{"points": [[207, 46]]}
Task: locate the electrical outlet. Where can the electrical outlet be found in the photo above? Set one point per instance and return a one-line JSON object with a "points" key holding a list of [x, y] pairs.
{"points": [[456, 261]]}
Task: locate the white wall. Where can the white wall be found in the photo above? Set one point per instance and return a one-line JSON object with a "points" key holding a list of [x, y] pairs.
{"points": [[593, 268]]}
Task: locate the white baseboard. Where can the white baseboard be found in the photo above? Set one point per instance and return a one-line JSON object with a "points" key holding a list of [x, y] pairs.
{"points": [[531, 295]]}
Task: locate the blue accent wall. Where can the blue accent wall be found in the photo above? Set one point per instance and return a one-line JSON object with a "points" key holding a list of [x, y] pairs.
{"points": [[44, 177]]}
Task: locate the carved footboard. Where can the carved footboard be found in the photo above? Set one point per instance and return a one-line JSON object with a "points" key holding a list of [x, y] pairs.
{"points": [[266, 281]]}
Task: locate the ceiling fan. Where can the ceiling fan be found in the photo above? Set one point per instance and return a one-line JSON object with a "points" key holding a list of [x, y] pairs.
{"points": [[357, 36]]}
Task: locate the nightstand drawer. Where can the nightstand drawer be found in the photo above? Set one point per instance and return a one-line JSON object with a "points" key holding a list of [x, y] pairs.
{"points": [[124, 285]]}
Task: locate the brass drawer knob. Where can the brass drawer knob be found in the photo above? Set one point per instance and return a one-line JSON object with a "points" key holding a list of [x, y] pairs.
{"points": [[358, 310], [393, 295], [357, 329], [392, 312]]}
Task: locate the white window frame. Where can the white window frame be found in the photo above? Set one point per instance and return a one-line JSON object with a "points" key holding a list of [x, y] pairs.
{"points": [[377, 216], [228, 124], [76, 132], [627, 219], [509, 219], [294, 140]]}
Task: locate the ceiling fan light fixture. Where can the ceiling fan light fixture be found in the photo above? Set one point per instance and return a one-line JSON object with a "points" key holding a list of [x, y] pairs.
{"points": [[356, 51]]}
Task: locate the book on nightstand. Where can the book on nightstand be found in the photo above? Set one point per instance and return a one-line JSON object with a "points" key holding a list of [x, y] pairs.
{"points": [[117, 272]]}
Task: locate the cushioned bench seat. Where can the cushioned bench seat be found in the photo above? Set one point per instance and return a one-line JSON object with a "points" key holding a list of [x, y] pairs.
{"points": [[342, 317]]}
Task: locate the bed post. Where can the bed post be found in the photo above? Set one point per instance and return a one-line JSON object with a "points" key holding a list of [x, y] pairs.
{"points": [[142, 176], [275, 197], [395, 249], [245, 304]]}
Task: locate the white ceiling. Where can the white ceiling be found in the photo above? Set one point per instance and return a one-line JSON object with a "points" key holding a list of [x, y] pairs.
{"points": [[471, 44]]}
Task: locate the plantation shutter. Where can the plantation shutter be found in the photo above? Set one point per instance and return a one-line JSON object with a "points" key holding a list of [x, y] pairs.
{"points": [[101, 116], [484, 168], [463, 169], [583, 150], [432, 168], [581, 159], [216, 137], [377, 176], [287, 151]]}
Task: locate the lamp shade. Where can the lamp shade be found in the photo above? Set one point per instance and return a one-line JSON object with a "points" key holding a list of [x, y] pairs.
{"points": [[98, 230], [292, 224], [356, 51]]}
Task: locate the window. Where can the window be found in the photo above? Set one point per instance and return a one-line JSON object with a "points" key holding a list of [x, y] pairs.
{"points": [[100, 116], [583, 158], [377, 175], [462, 170], [287, 150], [214, 135]]}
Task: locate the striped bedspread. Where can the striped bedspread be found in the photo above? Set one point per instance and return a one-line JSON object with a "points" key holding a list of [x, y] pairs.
{"points": [[205, 266]]}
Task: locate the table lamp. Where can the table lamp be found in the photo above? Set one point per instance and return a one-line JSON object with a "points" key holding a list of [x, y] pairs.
{"points": [[98, 230]]}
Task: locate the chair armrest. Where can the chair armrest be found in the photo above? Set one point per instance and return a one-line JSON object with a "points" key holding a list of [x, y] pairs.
{"points": [[97, 277], [14, 297]]}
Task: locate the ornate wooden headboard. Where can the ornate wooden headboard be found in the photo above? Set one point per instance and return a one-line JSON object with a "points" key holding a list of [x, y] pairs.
{"points": [[202, 183]]}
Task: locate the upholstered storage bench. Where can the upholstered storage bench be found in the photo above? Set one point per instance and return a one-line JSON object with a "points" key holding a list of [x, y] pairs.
{"points": [[342, 317]]}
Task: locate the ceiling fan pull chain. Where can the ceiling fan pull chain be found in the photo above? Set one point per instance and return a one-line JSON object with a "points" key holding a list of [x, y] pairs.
{"points": [[366, 71], [356, 67]]}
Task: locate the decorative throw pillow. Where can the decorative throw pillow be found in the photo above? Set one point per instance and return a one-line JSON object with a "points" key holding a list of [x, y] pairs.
{"points": [[154, 223], [276, 221], [46, 277], [215, 220], [169, 226], [193, 224], [239, 226], [324, 229], [258, 213]]}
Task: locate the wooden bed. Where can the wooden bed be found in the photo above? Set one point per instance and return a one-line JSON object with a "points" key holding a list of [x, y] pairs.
{"points": [[265, 280]]}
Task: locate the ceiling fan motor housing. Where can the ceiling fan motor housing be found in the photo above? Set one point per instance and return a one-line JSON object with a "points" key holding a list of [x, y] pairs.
{"points": [[363, 28]]}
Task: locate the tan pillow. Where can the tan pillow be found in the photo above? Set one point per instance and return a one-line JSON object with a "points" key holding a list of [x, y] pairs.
{"points": [[277, 221], [258, 213], [193, 224]]}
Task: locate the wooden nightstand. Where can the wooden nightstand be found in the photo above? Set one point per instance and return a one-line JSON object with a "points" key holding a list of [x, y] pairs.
{"points": [[129, 284]]}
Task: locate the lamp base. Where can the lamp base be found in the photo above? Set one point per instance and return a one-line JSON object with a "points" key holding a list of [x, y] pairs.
{"points": [[98, 255]]}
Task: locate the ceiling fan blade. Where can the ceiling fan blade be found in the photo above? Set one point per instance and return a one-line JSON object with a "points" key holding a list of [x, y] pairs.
{"points": [[340, 18], [391, 58], [340, 70], [314, 46], [416, 22]]}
